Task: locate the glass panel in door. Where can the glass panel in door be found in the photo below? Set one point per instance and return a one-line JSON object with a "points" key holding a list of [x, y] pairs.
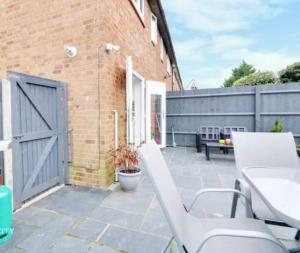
{"points": [[155, 113], [156, 118]]}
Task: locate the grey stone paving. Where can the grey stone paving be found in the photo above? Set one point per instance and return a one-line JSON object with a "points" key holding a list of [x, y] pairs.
{"points": [[83, 220]]}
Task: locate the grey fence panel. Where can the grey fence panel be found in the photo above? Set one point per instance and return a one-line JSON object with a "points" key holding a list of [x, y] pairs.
{"points": [[256, 108]]}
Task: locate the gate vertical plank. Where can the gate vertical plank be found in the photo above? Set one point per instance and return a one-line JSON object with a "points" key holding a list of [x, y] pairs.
{"points": [[65, 133], [40, 163], [60, 136]]}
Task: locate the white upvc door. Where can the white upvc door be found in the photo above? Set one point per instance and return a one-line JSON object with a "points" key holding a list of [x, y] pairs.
{"points": [[135, 101], [156, 112]]}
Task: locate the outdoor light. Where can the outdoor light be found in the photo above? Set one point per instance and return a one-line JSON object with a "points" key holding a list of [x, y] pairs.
{"points": [[71, 51], [111, 47]]}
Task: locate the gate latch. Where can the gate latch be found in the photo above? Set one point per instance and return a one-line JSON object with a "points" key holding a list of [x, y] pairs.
{"points": [[16, 137]]}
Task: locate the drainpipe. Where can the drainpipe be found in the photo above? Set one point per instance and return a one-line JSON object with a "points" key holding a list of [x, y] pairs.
{"points": [[116, 139], [108, 49]]}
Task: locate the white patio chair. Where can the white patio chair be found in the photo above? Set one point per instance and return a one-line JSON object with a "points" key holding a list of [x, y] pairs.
{"points": [[270, 150], [203, 235]]}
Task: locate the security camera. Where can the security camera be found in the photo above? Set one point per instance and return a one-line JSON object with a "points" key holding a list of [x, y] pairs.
{"points": [[71, 51], [110, 47]]}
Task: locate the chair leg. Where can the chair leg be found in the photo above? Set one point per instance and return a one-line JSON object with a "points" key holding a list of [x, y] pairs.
{"points": [[235, 199], [168, 245], [297, 237]]}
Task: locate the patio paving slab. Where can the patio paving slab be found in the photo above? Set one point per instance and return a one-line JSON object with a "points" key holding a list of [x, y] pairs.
{"points": [[155, 223], [87, 229], [102, 249], [73, 201], [16, 251], [43, 239], [78, 219], [117, 217], [132, 241], [68, 244], [21, 232], [30, 214], [135, 202]]}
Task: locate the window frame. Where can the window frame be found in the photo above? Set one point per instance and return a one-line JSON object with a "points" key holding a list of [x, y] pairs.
{"points": [[139, 6], [154, 29]]}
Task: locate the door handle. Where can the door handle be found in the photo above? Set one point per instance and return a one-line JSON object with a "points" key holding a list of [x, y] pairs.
{"points": [[16, 137]]}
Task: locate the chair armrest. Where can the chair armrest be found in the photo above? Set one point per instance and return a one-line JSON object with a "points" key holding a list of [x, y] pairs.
{"points": [[240, 234], [218, 190], [244, 187]]}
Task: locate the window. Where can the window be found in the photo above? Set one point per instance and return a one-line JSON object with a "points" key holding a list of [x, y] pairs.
{"points": [[153, 29], [162, 49], [140, 6], [168, 65]]}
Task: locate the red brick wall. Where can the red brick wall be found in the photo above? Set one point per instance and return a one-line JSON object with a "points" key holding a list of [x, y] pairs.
{"points": [[32, 38], [122, 26]]}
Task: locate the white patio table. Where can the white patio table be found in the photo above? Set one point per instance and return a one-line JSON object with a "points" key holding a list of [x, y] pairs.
{"points": [[279, 189]]}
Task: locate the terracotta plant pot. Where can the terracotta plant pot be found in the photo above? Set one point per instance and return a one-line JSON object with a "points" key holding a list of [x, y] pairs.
{"points": [[129, 179]]}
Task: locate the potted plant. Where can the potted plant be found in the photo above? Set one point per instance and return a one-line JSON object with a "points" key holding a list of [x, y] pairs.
{"points": [[126, 160]]}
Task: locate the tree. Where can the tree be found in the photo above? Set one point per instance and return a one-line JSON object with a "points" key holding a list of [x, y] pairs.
{"points": [[244, 69], [290, 74], [257, 78]]}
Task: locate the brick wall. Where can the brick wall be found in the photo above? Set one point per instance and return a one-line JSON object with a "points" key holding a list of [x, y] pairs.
{"points": [[134, 37], [32, 39]]}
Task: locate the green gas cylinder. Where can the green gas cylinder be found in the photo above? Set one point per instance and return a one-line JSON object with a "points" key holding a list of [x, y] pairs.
{"points": [[6, 223]]}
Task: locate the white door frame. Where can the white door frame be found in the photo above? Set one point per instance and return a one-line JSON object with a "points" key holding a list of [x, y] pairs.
{"points": [[131, 135], [141, 116], [156, 88], [129, 82]]}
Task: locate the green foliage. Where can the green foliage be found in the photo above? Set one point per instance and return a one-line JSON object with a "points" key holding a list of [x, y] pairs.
{"points": [[244, 69], [277, 127], [257, 78], [290, 74]]}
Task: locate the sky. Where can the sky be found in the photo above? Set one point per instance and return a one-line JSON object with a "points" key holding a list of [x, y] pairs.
{"points": [[211, 37]]}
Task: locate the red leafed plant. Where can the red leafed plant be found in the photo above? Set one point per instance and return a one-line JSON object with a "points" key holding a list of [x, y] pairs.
{"points": [[126, 158]]}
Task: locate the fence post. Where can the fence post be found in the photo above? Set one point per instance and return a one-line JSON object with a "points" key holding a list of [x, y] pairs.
{"points": [[257, 111]]}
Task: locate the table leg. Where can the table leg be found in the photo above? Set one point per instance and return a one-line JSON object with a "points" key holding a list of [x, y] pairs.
{"points": [[207, 152], [297, 237]]}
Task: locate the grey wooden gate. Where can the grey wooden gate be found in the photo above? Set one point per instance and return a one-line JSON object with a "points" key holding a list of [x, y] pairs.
{"points": [[39, 130]]}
